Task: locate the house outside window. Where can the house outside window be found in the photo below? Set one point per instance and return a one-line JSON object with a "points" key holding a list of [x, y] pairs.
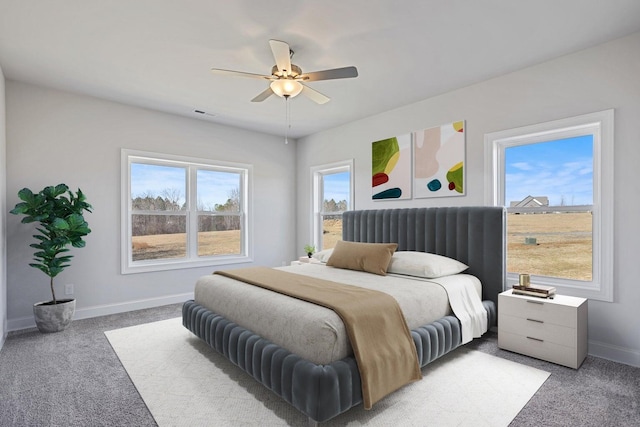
{"points": [[555, 181], [332, 196], [182, 212]]}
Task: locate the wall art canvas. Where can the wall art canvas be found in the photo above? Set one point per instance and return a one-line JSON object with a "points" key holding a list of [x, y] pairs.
{"points": [[391, 168], [439, 154]]}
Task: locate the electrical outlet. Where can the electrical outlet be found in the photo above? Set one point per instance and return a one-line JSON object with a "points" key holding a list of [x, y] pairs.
{"points": [[68, 289]]}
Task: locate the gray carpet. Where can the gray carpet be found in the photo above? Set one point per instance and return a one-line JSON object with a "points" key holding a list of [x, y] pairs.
{"points": [[74, 378]]}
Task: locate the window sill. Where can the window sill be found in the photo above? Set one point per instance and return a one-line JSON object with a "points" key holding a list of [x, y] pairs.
{"points": [[164, 265]]}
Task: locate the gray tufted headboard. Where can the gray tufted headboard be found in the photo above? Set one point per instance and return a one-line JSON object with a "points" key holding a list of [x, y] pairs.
{"points": [[472, 235]]}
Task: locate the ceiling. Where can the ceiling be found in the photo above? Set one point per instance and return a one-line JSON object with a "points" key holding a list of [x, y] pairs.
{"points": [[158, 53]]}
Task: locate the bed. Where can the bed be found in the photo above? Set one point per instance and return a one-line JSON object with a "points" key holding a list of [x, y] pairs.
{"points": [[323, 388]]}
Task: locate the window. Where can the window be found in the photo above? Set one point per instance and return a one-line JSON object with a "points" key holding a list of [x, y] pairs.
{"points": [[549, 198], [332, 195], [180, 212], [556, 182]]}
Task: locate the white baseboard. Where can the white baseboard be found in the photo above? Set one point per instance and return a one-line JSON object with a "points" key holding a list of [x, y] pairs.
{"points": [[616, 353], [106, 309], [598, 349]]}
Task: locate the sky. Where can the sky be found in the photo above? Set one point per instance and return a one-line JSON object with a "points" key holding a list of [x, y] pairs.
{"points": [[214, 187], [336, 186], [561, 169]]}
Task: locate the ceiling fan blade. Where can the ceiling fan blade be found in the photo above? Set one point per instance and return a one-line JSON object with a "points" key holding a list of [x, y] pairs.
{"points": [[263, 95], [314, 95], [240, 74], [336, 73], [282, 55]]}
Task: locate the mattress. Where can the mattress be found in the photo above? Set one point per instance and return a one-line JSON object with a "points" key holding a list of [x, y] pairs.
{"points": [[314, 332]]}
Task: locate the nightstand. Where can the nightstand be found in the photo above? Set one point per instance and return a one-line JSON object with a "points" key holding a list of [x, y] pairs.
{"points": [[554, 330]]}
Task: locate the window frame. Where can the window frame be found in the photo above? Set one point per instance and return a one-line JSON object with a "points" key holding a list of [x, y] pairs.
{"points": [[601, 126], [317, 200], [192, 165]]}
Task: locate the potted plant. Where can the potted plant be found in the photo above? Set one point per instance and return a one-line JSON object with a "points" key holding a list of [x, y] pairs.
{"points": [[59, 215], [309, 249]]}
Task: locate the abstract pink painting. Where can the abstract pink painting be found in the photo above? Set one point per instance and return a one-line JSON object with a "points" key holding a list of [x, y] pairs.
{"points": [[438, 161]]}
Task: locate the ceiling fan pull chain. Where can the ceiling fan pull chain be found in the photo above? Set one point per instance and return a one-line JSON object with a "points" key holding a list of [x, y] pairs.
{"points": [[287, 119]]}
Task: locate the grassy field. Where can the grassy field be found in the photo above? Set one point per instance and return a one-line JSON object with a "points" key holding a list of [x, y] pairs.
{"points": [[174, 245], [332, 232], [562, 248]]}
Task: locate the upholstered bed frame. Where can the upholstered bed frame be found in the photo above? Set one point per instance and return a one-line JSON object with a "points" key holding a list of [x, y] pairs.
{"points": [[472, 235]]}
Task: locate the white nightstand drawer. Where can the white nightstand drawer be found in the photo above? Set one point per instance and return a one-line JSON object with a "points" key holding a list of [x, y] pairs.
{"points": [[539, 329], [549, 310], [549, 329], [544, 350]]}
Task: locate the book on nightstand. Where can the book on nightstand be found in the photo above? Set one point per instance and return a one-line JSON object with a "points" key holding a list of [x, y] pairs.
{"points": [[539, 291], [307, 260]]}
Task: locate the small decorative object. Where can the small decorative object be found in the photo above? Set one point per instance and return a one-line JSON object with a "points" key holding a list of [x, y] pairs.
{"points": [[309, 249], [59, 215], [535, 290], [525, 280]]}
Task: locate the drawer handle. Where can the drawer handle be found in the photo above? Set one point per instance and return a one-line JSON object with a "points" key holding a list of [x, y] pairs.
{"points": [[535, 302], [535, 339], [535, 320]]}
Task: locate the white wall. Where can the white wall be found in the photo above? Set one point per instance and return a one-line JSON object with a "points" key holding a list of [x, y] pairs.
{"points": [[55, 137], [596, 79], [3, 214]]}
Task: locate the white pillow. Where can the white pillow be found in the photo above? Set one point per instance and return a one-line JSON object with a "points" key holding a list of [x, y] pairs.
{"points": [[423, 264], [323, 256]]}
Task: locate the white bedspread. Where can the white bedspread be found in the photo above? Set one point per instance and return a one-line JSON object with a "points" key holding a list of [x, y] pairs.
{"points": [[465, 300], [317, 333]]}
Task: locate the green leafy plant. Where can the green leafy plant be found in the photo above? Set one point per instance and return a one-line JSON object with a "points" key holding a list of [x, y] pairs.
{"points": [[59, 213], [309, 249]]}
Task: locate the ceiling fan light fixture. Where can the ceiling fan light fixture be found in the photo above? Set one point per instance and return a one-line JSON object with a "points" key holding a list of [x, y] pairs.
{"points": [[286, 79], [286, 87]]}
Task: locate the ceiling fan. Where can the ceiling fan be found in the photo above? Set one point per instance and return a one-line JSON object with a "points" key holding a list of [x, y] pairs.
{"points": [[287, 78]]}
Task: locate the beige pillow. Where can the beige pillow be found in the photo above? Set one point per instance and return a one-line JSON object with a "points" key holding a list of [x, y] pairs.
{"points": [[370, 257]]}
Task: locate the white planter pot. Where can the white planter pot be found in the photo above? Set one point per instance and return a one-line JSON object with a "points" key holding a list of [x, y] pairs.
{"points": [[51, 317]]}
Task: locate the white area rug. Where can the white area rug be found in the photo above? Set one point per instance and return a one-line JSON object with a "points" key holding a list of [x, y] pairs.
{"points": [[186, 383]]}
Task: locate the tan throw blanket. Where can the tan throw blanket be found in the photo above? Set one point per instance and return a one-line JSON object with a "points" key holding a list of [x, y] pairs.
{"points": [[380, 338]]}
